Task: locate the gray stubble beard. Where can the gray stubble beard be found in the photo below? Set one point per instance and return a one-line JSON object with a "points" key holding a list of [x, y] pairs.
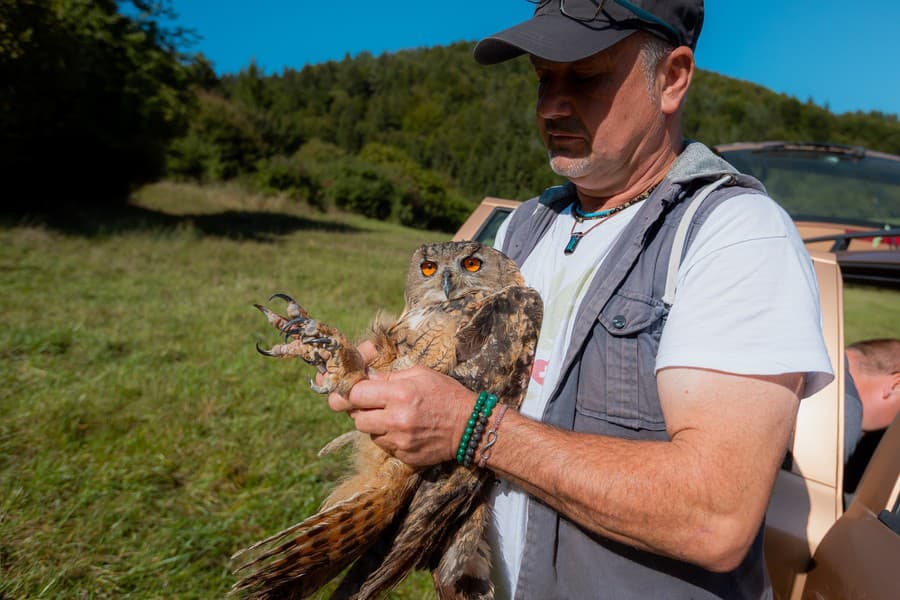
{"points": [[573, 167]]}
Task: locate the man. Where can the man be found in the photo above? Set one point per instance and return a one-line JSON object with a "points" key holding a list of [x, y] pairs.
{"points": [[875, 368], [873, 401], [642, 459]]}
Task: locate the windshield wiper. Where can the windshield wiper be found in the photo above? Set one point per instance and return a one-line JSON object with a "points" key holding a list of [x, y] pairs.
{"points": [[852, 152]]}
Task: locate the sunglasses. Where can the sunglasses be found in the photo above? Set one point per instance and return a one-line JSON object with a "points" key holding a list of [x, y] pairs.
{"points": [[585, 12]]}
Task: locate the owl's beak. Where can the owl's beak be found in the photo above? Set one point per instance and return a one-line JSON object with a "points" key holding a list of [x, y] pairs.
{"points": [[447, 283]]}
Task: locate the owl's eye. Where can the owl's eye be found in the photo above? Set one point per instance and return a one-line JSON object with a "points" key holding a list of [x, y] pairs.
{"points": [[428, 268], [471, 264]]}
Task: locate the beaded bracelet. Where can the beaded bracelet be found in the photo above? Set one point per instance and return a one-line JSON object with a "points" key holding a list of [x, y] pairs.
{"points": [[475, 426], [492, 437], [470, 427], [478, 432]]}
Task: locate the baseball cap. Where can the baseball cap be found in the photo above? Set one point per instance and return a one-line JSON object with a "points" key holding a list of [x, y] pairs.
{"points": [[569, 30]]}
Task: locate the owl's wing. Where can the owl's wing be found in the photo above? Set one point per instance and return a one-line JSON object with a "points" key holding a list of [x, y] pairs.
{"points": [[495, 347]]}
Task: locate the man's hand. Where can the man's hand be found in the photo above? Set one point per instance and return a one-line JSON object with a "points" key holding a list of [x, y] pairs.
{"points": [[417, 415]]}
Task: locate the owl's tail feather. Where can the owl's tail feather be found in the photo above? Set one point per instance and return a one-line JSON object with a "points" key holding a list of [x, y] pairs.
{"points": [[296, 562], [464, 571], [435, 513]]}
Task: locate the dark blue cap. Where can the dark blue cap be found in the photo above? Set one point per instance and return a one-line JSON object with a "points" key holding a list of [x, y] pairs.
{"points": [[569, 30]]}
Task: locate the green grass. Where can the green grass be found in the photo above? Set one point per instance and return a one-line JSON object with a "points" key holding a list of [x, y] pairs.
{"points": [[142, 438], [870, 312]]}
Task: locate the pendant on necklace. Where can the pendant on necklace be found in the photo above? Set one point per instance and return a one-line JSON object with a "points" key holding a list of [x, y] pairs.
{"points": [[573, 242]]}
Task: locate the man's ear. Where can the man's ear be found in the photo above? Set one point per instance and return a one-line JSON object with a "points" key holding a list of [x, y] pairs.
{"points": [[892, 386], [674, 78]]}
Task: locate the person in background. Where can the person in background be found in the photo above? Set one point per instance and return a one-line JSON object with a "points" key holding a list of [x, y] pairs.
{"points": [[873, 401]]}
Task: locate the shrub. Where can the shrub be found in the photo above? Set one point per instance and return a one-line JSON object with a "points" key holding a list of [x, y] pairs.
{"points": [[221, 142], [427, 200], [363, 188], [287, 175]]}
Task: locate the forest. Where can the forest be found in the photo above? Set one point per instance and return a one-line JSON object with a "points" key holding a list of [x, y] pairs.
{"points": [[98, 100]]}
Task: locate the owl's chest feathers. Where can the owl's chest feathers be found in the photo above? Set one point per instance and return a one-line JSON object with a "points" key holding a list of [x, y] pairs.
{"points": [[426, 335]]}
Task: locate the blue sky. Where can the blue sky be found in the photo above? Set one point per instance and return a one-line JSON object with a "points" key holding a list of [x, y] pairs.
{"points": [[845, 59]]}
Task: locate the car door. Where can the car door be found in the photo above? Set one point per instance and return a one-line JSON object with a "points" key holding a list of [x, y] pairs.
{"points": [[807, 497], [858, 558]]}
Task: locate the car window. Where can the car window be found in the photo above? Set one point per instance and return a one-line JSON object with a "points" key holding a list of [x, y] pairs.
{"points": [[488, 232], [826, 183]]}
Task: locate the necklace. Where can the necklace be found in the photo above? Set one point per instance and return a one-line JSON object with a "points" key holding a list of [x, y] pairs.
{"points": [[575, 236], [581, 216]]}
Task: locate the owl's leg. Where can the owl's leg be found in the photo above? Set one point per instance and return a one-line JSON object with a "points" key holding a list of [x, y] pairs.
{"points": [[464, 571], [326, 348]]}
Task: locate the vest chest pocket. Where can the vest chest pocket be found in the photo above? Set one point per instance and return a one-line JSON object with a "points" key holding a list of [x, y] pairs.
{"points": [[617, 379]]}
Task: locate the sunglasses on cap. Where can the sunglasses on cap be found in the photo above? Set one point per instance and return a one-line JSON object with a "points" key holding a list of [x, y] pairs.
{"points": [[613, 11]]}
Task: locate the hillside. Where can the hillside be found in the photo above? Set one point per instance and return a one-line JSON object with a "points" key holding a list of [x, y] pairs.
{"points": [[99, 99], [433, 119]]}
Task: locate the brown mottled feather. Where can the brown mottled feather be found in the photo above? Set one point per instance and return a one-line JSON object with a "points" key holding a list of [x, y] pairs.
{"points": [[388, 518]]}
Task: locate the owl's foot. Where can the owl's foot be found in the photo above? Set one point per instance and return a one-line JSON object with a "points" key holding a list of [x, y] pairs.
{"points": [[337, 360]]}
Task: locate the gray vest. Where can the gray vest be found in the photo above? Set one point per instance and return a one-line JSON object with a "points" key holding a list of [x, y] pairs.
{"points": [[607, 386]]}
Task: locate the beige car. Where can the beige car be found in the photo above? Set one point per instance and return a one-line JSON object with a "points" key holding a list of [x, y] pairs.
{"points": [[816, 547]]}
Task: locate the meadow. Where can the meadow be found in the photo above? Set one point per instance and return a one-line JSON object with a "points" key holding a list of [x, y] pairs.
{"points": [[142, 438]]}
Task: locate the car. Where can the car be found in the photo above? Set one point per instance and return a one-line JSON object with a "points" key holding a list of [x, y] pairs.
{"points": [[843, 199], [819, 543]]}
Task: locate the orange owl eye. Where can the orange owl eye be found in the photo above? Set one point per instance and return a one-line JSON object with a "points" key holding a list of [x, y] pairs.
{"points": [[428, 268], [471, 264]]}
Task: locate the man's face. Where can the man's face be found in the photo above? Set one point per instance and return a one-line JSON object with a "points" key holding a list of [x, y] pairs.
{"points": [[597, 116]]}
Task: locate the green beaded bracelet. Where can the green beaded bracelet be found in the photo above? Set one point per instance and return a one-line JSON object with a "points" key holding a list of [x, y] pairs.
{"points": [[470, 427], [465, 454]]}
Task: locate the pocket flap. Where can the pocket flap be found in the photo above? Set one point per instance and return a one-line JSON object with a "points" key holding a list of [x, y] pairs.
{"points": [[627, 314]]}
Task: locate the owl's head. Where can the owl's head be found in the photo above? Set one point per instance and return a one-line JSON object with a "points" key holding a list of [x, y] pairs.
{"points": [[441, 272]]}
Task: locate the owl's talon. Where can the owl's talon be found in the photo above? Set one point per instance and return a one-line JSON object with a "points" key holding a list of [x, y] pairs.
{"points": [[283, 296], [298, 320], [294, 310], [320, 389], [336, 360], [265, 352]]}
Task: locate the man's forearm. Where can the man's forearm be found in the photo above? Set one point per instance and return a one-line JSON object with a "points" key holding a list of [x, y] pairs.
{"points": [[635, 492], [698, 498]]}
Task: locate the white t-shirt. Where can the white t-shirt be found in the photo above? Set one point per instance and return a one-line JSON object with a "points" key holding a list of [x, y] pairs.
{"points": [[745, 280]]}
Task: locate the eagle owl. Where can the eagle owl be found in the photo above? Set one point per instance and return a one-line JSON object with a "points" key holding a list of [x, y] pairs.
{"points": [[468, 314]]}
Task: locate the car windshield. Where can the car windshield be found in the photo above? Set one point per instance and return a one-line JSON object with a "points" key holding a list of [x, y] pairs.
{"points": [[824, 182]]}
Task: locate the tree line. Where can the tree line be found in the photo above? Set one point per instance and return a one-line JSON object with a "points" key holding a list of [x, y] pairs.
{"points": [[101, 98]]}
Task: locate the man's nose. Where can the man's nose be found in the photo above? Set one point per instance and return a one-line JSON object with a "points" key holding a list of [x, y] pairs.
{"points": [[555, 99]]}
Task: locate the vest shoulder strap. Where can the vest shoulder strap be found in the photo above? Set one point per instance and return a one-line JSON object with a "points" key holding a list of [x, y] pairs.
{"points": [[679, 243]]}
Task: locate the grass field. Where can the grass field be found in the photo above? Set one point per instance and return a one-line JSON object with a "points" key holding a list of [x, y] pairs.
{"points": [[142, 438]]}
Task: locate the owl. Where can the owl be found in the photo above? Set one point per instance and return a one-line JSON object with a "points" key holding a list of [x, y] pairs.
{"points": [[467, 314]]}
